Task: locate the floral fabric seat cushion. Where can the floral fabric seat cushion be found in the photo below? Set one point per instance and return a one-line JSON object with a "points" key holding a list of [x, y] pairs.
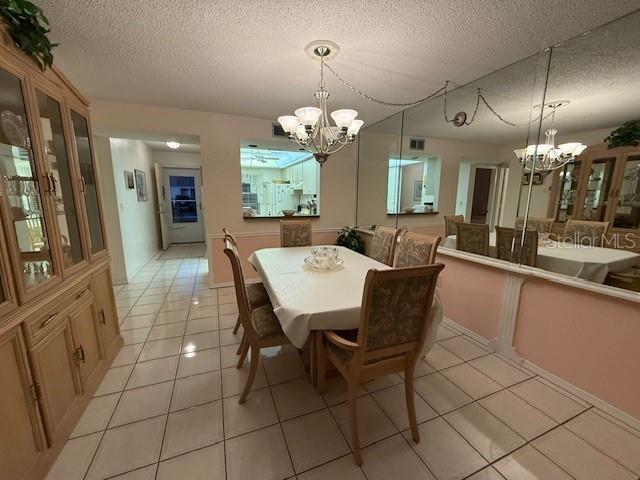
{"points": [[258, 296], [266, 323]]}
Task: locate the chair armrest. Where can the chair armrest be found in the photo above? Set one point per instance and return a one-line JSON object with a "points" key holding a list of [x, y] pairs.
{"points": [[340, 342]]}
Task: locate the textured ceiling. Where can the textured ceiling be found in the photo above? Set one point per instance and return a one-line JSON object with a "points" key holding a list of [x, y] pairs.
{"points": [[246, 56]]}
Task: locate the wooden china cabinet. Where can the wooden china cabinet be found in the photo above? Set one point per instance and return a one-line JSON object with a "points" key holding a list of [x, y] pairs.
{"points": [[58, 323], [601, 185]]}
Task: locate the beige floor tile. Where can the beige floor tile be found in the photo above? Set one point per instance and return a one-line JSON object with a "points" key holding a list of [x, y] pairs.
{"points": [[234, 380], [488, 435], [160, 348], [227, 337], [521, 417], [74, 460], [444, 333], [228, 321], [144, 309], [160, 332], [114, 380], [393, 458], [141, 403], [373, 424], [578, 458], [296, 398], [177, 297], [127, 355], [440, 393], [200, 341], [140, 321], [342, 469], [204, 301], [384, 381], [201, 325], [257, 412], [471, 381], [203, 312], [261, 455], [313, 439], [618, 443], [176, 316], [549, 401], [529, 464], [96, 416], [229, 358], [196, 390], [446, 453], [283, 368], [500, 370], [464, 348], [145, 473], [393, 402], [193, 428], [488, 473], [421, 369], [128, 447], [200, 361], [336, 390], [204, 464], [175, 306], [153, 371], [132, 337], [227, 309], [150, 299], [439, 358]]}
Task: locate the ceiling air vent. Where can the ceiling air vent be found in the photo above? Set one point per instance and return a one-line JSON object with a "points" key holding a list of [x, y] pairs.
{"points": [[416, 144], [277, 130]]}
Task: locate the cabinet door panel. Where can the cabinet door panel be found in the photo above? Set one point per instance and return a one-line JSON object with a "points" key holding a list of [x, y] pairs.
{"points": [[627, 208], [22, 440], [103, 292], [87, 335]]}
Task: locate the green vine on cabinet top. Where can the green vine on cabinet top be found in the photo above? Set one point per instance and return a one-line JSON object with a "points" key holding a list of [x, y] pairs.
{"points": [[28, 27], [626, 135]]}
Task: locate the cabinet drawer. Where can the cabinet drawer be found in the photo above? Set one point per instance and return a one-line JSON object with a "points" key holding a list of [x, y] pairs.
{"points": [[46, 318]]}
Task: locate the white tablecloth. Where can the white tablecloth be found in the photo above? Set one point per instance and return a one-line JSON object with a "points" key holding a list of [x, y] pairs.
{"points": [[579, 261], [304, 300]]}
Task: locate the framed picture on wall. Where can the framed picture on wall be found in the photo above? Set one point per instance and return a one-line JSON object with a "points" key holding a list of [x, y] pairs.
{"points": [[417, 191], [141, 185], [538, 178], [128, 180]]}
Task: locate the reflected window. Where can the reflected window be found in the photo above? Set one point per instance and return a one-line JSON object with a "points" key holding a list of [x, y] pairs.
{"points": [[413, 185], [184, 206]]}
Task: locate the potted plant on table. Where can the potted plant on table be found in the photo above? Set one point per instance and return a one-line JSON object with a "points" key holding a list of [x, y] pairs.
{"points": [[348, 237]]}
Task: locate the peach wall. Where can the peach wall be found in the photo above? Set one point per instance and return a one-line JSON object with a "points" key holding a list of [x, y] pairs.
{"points": [[588, 339], [472, 295]]}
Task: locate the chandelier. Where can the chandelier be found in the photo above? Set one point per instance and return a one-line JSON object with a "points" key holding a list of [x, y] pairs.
{"points": [[310, 127], [546, 156]]}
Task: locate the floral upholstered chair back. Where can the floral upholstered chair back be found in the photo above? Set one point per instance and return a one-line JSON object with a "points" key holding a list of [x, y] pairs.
{"points": [[473, 238], [509, 243], [585, 232], [383, 244], [450, 224], [295, 233], [541, 224], [395, 307], [415, 250]]}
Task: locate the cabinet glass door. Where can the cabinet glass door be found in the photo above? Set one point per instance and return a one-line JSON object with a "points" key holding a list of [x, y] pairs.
{"points": [[61, 181], [20, 186], [598, 188], [85, 158], [627, 213], [568, 191]]}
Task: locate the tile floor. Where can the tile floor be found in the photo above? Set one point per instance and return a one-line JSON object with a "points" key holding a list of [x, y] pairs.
{"points": [[168, 408]]}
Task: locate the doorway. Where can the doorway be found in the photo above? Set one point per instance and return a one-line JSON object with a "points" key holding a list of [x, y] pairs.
{"points": [[480, 203], [180, 208]]}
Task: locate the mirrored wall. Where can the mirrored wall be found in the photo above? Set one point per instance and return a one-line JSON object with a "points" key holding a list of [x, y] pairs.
{"points": [[534, 164]]}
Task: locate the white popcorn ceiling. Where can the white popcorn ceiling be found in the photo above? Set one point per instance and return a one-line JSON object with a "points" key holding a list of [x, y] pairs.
{"points": [[246, 56]]}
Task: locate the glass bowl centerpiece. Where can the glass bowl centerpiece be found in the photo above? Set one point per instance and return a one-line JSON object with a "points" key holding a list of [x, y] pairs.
{"points": [[323, 259]]}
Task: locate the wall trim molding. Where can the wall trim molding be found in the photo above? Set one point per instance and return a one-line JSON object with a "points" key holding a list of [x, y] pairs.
{"points": [[214, 236]]}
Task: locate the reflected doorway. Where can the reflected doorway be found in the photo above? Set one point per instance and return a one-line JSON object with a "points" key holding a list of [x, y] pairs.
{"points": [[482, 188]]}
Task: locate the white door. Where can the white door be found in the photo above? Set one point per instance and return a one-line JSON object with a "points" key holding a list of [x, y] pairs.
{"points": [[163, 210], [184, 204]]}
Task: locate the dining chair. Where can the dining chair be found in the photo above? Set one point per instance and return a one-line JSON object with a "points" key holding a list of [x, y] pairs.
{"points": [[509, 243], [585, 232], [450, 223], [295, 233], [256, 292], [415, 249], [261, 326], [383, 245], [541, 224], [629, 279], [473, 238], [394, 322]]}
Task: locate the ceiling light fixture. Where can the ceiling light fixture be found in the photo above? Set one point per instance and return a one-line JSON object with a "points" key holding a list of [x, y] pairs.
{"points": [[173, 145], [310, 127]]}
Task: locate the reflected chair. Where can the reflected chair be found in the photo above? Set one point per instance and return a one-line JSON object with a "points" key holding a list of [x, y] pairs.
{"points": [[585, 232], [450, 223], [394, 322], [256, 292], [541, 224], [383, 245], [295, 233], [509, 243], [629, 279], [473, 238], [415, 249], [261, 326]]}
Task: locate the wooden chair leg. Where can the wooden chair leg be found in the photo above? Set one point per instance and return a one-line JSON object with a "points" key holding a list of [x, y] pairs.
{"points": [[235, 329], [411, 404], [241, 344], [255, 360], [353, 415], [243, 352], [321, 359]]}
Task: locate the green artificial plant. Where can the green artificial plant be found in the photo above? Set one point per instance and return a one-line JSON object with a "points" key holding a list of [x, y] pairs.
{"points": [[28, 27], [348, 237], [626, 135]]}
